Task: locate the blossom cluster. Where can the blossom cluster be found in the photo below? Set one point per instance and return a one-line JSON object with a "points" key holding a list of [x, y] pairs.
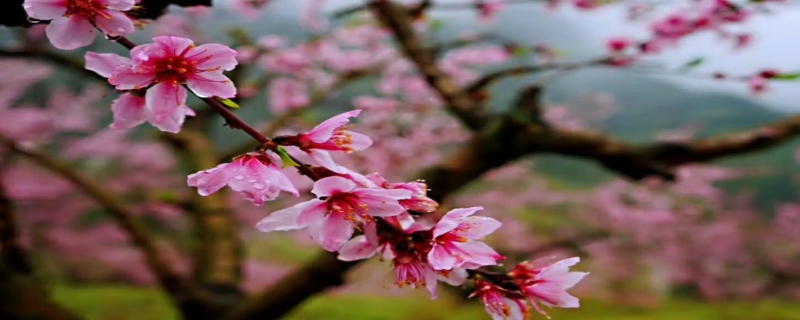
{"points": [[358, 216]]}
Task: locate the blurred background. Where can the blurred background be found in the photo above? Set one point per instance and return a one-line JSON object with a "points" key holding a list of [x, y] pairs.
{"points": [[721, 242]]}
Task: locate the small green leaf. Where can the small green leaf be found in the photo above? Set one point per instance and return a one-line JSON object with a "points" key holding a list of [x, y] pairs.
{"points": [[787, 76], [230, 104], [693, 63], [521, 52], [436, 25], [286, 158]]}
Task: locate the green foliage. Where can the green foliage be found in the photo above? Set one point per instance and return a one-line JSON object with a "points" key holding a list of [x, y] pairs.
{"points": [[126, 303]]}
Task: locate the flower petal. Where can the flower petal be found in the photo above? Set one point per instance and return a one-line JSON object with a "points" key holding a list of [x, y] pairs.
{"points": [[69, 33], [359, 141], [120, 5], [358, 248], [282, 220], [440, 258], [331, 232], [129, 111], [125, 77], [45, 9], [164, 99], [331, 185], [116, 25], [215, 56], [451, 220], [314, 212], [324, 131], [212, 84], [323, 158], [211, 180], [104, 64], [477, 227]]}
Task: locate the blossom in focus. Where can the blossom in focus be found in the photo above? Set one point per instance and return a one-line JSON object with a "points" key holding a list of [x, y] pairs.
{"points": [[130, 109], [257, 175], [456, 241], [419, 201], [548, 284], [170, 62], [500, 303], [332, 135], [73, 21], [340, 208]]}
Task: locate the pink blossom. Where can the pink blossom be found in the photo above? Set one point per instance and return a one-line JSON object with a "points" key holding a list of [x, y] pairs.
{"points": [[456, 241], [341, 206], [488, 9], [618, 44], [286, 94], [498, 303], [332, 135], [162, 67], [130, 109], [419, 201], [548, 284], [73, 21], [257, 175]]}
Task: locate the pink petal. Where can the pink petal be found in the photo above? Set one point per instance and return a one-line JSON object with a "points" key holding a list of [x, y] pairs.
{"points": [[172, 123], [359, 141], [558, 268], [431, 283], [381, 206], [212, 84], [129, 111], [440, 258], [323, 158], [282, 220], [313, 213], [331, 185], [104, 64], [451, 220], [215, 56], [118, 24], [324, 131], [172, 45], [331, 232], [478, 254], [69, 33], [120, 5], [164, 99], [125, 78], [211, 180], [358, 248], [391, 194], [455, 277], [476, 227], [45, 9]]}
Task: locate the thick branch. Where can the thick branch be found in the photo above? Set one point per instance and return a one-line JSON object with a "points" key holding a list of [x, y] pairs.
{"points": [[12, 254], [170, 280], [21, 297], [490, 78], [659, 159], [396, 18]]}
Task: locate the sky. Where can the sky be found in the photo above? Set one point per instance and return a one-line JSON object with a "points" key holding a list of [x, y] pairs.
{"points": [[776, 42]]}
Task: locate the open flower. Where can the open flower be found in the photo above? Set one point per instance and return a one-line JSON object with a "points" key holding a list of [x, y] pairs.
{"points": [[340, 208], [130, 109], [419, 201], [73, 21], [456, 241], [500, 303], [332, 135], [170, 62], [548, 284], [257, 175]]}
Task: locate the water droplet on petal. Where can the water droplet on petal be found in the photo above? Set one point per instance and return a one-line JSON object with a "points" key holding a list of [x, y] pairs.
{"points": [[258, 186], [34, 20], [251, 180], [239, 177], [113, 38]]}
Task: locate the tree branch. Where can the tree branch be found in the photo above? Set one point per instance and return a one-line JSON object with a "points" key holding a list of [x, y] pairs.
{"points": [[490, 78], [13, 255], [659, 159], [396, 18], [169, 279]]}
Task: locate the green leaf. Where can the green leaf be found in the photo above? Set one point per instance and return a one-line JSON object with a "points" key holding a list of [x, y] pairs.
{"points": [[286, 158], [521, 52], [230, 104], [436, 25], [693, 63], [787, 76]]}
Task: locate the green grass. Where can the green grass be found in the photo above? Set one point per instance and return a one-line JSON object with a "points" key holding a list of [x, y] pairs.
{"points": [[124, 303]]}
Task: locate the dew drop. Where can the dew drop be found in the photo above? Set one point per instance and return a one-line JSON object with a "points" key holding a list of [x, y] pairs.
{"points": [[251, 180], [258, 186], [112, 38], [34, 20], [239, 177]]}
